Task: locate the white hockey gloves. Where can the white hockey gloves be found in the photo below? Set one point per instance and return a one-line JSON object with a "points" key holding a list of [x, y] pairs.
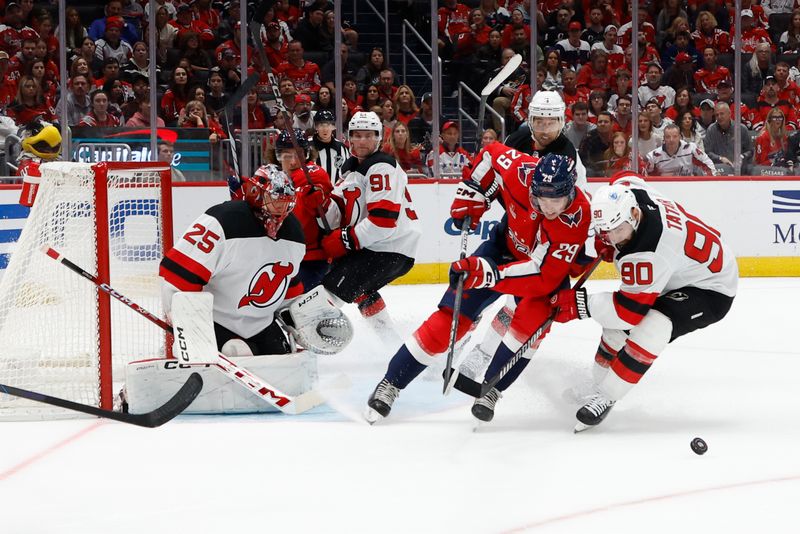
{"points": [[316, 323]]}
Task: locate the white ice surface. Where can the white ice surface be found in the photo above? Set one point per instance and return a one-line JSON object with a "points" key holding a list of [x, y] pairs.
{"points": [[424, 469]]}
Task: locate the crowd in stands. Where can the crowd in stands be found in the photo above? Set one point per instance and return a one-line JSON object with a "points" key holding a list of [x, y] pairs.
{"points": [[686, 119]]}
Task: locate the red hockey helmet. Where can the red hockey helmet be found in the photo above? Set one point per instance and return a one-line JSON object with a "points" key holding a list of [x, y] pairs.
{"points": [[271, 194]]}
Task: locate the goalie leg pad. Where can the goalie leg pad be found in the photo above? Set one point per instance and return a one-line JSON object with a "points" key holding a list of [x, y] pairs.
{"points": [[316, 323]]}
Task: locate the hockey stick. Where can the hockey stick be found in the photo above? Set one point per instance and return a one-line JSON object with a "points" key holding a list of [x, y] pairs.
{"points": [[488, 385], [512, 65], [235, 98], [286, 403], [166, 412], [255, 34], [475, 389], [448, 370]]}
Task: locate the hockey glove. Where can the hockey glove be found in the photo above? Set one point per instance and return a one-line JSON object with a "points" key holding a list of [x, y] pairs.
{"points": [[604, 250], [471, 201], [480, 273], [570, 304], [313, 197], [340, 242]]}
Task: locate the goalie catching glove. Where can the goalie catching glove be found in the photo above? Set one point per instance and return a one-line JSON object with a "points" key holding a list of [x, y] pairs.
{"points": [[570, 304], [316, 323], [479, 273]]}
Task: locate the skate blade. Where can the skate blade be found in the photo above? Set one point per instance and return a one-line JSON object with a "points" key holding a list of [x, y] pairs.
{"points": [[372, 416], [580, 427]]}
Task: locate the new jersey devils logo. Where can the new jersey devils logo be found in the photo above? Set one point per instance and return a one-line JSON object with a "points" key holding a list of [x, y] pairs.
{"points": [[267, 286], [572, 219]]}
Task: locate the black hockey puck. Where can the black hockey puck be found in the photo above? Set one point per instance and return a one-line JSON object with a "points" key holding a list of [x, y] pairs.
{"points": [[699, 446]]}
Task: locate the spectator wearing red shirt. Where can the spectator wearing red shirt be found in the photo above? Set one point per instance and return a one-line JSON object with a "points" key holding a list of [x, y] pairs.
{"points": [[304, 74], [21, 61], [275, 46], [386, 87], [623, 116], [477, 36], [258, 116], [708, 34], [517, 18], [185, 23], [194, 116], [683, 103], [771, 144], [520, 102], [616, 56], [8, 89], [453, 22], [286, 12], [571, 93], [13, 30], [99, 117], [399, 146], [787, 89], [206, 14], [646, 30], [751, 35], [355, 101], [233, 46], [707, 78], [758, 114], [596, 74], [176, 97], [405, 104], [30, 103]]}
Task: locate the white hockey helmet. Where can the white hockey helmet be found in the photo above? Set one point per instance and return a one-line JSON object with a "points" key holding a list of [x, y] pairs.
{"points": [[547, 104], [366, 120], [612, 205]]}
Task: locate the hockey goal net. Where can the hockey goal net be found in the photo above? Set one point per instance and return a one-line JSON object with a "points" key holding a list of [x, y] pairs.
{"points": [[59, 334]]}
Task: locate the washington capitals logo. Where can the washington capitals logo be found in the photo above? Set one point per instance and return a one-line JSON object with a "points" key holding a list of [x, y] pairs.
{"points": [[525, 171], [572, 219]]}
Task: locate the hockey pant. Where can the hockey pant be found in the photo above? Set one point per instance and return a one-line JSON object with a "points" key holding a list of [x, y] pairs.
{"points": [[630, 354], [311, 273], [271, 340], [363, 272]]}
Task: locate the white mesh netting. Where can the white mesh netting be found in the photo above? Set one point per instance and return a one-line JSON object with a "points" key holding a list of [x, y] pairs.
{"points": [[49, 339]]}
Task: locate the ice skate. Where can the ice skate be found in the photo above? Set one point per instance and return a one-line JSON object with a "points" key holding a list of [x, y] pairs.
{"points": [[475, 364], [380, 402], [483, 408], [593, 412]]}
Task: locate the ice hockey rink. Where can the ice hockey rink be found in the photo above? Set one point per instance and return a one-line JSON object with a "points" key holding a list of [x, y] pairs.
{"points": [[425, 469]]}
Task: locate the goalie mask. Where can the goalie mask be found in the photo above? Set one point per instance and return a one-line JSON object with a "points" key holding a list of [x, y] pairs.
{"points": [[613, 205], [546, 116], [41, 139], [271, 194]]}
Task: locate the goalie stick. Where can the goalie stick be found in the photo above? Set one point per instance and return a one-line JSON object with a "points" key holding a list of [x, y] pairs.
{"points": [[166, 412], [448, 369], [494, 83], [293, 405], [477, 390]]}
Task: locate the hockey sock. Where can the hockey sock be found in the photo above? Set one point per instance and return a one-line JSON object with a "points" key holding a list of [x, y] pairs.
{"points": [[602, 361], [501, 357], [403, 368], [370, 304]]}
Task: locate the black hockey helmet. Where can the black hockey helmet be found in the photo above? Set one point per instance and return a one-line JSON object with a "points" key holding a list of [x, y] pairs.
{"points": [[324, 116], [284, 140]]}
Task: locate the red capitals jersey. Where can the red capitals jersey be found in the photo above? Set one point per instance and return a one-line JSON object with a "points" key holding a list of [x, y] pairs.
{"points": [[305, 77], [454, 22], [307, 213], [756, 117], [233, 46], [591, 80], [706, 81], [276, 56], [545, 250], [754, 36], [520, 102], [11, 38], [718, 39]]}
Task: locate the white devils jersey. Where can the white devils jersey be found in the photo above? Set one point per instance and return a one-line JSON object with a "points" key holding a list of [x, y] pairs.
{"points": [[227, 252], [671, 249], [372, 197]]}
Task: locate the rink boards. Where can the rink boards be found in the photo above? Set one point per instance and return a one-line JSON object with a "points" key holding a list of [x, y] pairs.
{"points": [[758, 216]]}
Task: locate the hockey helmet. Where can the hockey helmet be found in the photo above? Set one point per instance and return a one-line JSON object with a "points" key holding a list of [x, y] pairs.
{"points": [[612, 205], [549, 105], [553, 177], [271, 194], [324, 116], [366, 121], [284, 140], [41, 139]]}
